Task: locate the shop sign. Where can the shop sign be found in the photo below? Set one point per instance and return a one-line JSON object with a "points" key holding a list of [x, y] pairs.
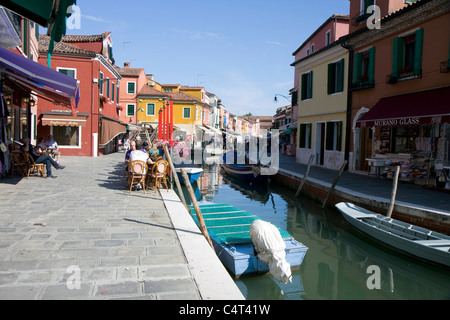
{"points": [[397, 122]]}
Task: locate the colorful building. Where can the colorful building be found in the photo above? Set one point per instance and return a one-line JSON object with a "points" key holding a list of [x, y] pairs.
{"points": [[401, 83], [133, 79], [92, 128], [187, 110], [320, 86]]}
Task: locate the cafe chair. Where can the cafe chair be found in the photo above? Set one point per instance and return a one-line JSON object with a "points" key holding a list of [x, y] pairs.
{"points": [[159, 173], [137, 171], [18, 163], [33, 167]]}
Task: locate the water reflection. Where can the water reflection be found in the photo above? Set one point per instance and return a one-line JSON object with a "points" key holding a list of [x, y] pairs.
{"points": [[339, 261]]}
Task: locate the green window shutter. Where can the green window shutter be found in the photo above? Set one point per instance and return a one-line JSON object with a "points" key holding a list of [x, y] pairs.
{"points": [[302, 135], [310, 134], [339, 136], [100, 83], [372, 65], [304, 86], [310, 85], [331, 77], [418, 52], [357, 67], [397, 56], [341, 67], [112, 91], [107, 88]]}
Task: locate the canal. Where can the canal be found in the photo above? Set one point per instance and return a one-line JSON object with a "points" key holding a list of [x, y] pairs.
{"points": [[340, 262]]}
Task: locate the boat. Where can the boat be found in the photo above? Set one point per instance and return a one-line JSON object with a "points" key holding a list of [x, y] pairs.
{"points": [[248, 172], [410, 239], [191, 170], [228, 228]]}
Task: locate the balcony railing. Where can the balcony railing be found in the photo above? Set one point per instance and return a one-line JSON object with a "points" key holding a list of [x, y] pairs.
{"points": [[403, 76]]}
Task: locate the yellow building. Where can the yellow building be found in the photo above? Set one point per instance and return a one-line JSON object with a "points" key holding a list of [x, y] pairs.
{"points": [[187, 110], [322, 101]]}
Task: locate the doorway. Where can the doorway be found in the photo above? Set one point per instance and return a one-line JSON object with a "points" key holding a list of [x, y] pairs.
{"points": [[320, 142], [365, 147]]}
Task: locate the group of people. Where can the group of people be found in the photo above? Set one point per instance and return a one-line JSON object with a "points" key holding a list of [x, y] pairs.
{"points": [[142, 152], [40, 153]]}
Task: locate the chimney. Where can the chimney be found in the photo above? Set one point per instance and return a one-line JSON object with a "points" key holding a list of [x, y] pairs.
{"points": [[126, 65]]}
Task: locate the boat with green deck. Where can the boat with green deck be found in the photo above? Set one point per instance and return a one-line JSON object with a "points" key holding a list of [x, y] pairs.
{"points": [[229, 230]]}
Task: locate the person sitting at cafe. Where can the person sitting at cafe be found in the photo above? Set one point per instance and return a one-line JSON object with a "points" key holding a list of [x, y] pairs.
{"points": [[132, 148], [42, 158], [53, 145], [41, 143], [140, 154]]}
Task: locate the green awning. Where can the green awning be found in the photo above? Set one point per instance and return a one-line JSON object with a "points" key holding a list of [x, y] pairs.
{"points": [[51, 14], [288, 131]]}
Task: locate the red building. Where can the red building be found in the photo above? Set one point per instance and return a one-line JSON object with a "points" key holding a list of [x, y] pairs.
{"points": [[93, 127]]}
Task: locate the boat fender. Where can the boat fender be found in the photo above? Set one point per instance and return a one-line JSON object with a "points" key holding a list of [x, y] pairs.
{"points": [[270, 249]]}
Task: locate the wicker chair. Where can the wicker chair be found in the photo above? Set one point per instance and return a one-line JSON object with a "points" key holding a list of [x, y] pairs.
{"points": [[137, 172], [33, 167], [19, 163], [159, 173]]}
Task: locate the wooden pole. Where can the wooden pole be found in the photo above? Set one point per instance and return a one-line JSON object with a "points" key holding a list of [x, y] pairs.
{"points": [[196, 207], [175, 176], [334, 184], [305, 176], [394, 192]]}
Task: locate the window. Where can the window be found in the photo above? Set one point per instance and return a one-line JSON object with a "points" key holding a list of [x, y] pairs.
{"points": [[150, 109], [312, 48], [363, 15], [107, 88], [334, 136], [364, 69], [336, 77], [307, 51], [305, 135], [131, 87], [70, 72], [168, 90], [100, 83], [407, 55], [66, 136], [130, 110], [186, 113], [112, 91], [307, 85], [328, 38]]}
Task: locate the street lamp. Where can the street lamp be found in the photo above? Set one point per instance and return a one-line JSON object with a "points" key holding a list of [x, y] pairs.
{"points": [[275, 100]]}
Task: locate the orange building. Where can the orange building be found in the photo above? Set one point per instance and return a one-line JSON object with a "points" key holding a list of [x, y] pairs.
{"points": [[400, 84]]}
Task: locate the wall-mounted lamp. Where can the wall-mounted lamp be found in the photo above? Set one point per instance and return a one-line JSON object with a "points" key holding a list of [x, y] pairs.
{"points": [[275, 100], [32, 102], [8, 101], [25, 100]]}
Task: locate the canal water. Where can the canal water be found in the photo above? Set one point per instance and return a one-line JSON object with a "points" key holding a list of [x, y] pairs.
{"points": [[340, 262]]}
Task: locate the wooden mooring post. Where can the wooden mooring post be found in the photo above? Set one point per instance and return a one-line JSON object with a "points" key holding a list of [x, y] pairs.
{"points": [[394, 191], [330, 192], [196, 207], [305, 176], [175, 177]]}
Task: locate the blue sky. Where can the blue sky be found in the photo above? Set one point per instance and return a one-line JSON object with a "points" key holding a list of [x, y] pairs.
{"points": [[239, 50]]}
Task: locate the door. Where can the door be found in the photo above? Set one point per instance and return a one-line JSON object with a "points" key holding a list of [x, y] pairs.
{"points": [[366, 148]]}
